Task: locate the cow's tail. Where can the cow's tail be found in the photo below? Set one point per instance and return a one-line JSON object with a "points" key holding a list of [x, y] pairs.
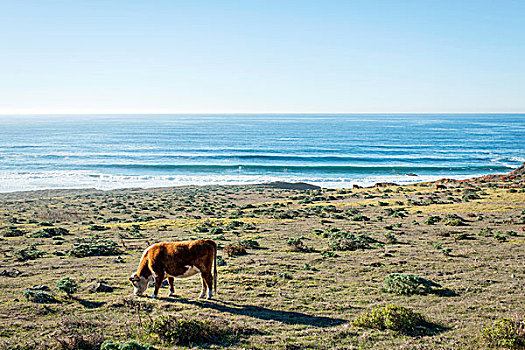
{"points": [[215, 270]]}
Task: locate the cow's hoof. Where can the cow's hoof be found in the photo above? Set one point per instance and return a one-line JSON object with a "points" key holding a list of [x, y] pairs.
{"points": [[153, 296], [201, 296], [171, 294]]}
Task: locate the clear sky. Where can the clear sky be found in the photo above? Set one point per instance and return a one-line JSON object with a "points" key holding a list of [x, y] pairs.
{"points": [[192, 56]]}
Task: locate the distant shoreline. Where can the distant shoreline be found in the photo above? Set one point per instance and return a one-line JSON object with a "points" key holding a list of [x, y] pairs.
{"points": [[57, 192]]}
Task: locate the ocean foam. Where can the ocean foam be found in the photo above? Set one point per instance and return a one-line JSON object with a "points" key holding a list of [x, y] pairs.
{"points": [[28, 181]]}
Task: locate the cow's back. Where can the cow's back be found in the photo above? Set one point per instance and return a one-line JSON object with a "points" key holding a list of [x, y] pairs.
{"points": [[175, 257]]}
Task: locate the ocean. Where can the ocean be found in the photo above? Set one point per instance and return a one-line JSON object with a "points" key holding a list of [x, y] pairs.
{"points": [[331, 150]]}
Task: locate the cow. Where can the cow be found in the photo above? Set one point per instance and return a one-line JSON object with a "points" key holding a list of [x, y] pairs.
{"points": [[440, 187], [354, 186], [177, 260]]}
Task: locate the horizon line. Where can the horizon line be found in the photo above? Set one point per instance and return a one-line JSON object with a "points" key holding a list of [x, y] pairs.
{"points": [[233, 113]]}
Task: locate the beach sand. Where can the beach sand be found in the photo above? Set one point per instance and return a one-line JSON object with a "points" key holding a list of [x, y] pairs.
{"points": [[295, 290]]}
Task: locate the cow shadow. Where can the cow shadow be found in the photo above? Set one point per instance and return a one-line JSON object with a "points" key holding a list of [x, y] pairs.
{"points": [[263, 313]]}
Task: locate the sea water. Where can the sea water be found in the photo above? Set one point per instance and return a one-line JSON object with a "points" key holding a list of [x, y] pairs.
{"points": [[330, 150]]}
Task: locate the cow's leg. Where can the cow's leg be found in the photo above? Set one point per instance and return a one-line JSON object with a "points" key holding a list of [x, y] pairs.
{"points": [[172, 289], [207, 279], [158, 283], [204, 286]]}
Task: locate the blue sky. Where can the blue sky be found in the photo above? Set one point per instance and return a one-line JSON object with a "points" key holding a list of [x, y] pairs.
{"points": [[112, 56]]}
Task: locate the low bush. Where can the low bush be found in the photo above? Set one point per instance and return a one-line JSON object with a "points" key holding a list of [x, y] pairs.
{"points": [[249, 243], [49, 232], [431, 220], [216, 231], [13, 232], [360, 217], [470, 195], [454, 220], [201, 228], [296, 244], [347, 241], [45, 223], [39, 296], [221, 261], [486, 232], [170, 329], [94, 247], [505, 333], [98, 228], [394, 317], [129, 345], [67, 285], [28, 253], [329, 254], [408, 284], [79, 334], [390, 238]]}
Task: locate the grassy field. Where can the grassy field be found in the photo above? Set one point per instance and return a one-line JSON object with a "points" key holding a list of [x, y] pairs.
{"points": [[315, 260]]}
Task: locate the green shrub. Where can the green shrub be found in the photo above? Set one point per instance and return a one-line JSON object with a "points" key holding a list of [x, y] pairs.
{"points": [[500, 237], [98, 228], [129, 345], [394, 317], [171, 329], [297, 244], [13, 232], [95, 247], [329, 254], [360, 217], [446, 251], [67, 285], [437, 245], [201, 228], [408, 284], [49, 232], [470, 195], [486, 232], [39, 296], [221, 261], [431, 220], [45, 223], [454, 222], [28, 253], [505, 333], [216, 231], [249, 243], [347, 241], [390, 238]]}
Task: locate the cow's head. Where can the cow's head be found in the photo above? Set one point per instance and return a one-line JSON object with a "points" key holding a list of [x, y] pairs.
{"points": [[140, 283]]}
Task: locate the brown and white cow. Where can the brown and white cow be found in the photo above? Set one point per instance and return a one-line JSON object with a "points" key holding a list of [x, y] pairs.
{"points": [[180, 260]]}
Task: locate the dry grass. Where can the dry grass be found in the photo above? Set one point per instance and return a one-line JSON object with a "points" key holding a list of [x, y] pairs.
{"points": [[291, 299]]}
